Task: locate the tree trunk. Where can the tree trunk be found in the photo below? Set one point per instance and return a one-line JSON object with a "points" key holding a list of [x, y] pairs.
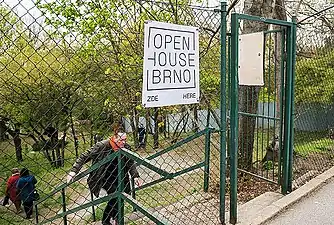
{"points": [[148, 126], [91, 134], [56, 148], [18, 144], [75, 138], [3, 129], [280, 14], [156, 129], [134, 129], [248, 95], [63, 140], [195, 121], [17, 141]]}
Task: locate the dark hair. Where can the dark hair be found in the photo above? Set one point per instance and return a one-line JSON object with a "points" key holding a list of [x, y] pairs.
{"points": [[24, 172]]}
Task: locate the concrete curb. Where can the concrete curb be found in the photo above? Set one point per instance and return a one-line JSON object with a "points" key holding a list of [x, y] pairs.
{"points": [[275, 208]]}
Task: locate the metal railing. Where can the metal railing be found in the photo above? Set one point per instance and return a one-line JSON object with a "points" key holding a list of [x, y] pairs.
{"points": [[124, 197]]}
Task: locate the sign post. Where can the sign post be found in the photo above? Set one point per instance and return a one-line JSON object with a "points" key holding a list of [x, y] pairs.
{"points": [[171, 65]]}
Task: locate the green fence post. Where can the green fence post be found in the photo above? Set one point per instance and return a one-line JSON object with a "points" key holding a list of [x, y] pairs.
{"points": [[207, 160], [293, 74], [223, 55], [93, 208], [120, 166], [287, 112], [64, 204], [234, 118], [281, 138]]}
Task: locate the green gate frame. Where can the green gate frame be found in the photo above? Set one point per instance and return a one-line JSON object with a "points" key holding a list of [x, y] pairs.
{"points": [[232, 87]]}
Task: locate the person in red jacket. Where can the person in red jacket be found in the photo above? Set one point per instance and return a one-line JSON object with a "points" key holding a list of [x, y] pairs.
{"points": [[11, 189]]}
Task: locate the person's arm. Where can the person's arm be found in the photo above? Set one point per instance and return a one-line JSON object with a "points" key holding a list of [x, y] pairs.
{"points": [[18, 187], [84, 158]]}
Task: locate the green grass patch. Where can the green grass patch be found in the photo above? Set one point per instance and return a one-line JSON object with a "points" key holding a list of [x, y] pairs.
{"points": [[306, 143]]}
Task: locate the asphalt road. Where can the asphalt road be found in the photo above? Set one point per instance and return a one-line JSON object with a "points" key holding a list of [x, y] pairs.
{"points": [[316, 209]]}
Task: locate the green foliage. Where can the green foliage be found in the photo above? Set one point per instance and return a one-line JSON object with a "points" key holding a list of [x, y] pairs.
{"points": [[315, 81], [268, 165]]}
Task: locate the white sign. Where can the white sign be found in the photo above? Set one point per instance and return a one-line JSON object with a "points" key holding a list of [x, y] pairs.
{"points": [[171, 65], [251, 57]]}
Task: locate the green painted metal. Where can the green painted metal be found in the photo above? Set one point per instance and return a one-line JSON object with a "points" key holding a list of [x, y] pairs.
{"points": [[178, 144], [223, 57], [63, 197], [264, 20], [144, 162], [152, 183], [120, 188], [280, 153], [259, 116], [155, 217], [293, 74], [234, 118], [287, 112], [187, 170], [275, 31], [207, 160], [81, 207], [257, 176]]}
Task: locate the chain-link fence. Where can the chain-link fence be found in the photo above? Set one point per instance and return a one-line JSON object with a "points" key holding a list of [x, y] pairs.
{"points": [[313, 138], [70, 70]]}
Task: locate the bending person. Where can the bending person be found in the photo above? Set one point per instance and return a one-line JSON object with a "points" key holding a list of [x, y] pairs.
{"points": [[106, 176]]}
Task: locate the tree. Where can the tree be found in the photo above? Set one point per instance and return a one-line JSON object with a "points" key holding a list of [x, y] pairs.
{"points": [[248, 95], [111, 33]]}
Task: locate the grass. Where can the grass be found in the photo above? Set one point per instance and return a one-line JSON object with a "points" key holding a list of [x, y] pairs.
{"points": [[306, 143]]}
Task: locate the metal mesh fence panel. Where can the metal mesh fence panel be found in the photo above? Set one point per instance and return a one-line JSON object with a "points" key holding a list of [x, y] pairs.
{"points": [[313, 139], [71, 70]]}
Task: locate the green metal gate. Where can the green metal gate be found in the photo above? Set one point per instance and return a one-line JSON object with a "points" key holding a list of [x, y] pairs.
{"points": [[258, 133]]}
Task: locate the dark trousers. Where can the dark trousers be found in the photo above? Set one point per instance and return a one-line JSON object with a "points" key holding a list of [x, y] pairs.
{"points": [[28, 208], [110, 212]]}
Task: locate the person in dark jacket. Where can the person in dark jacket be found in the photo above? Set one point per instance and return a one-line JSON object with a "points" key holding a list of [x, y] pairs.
{"points": [[11, 191], [26, 191], [106, 176]]}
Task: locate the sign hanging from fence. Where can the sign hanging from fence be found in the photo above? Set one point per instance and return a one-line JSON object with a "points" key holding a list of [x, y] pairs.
{"points": [[171, 65], [251, 59]]}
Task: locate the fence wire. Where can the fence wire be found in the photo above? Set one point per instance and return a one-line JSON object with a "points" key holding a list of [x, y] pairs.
{"points": [[72, 69], [313, 140], [69, 70]]}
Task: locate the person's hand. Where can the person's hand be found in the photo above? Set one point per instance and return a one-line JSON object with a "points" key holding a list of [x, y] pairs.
{"points": [[138, 182], [70, 177]]}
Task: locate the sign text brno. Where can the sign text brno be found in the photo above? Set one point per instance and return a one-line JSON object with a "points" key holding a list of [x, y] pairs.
{"points": [[171, 65]]}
